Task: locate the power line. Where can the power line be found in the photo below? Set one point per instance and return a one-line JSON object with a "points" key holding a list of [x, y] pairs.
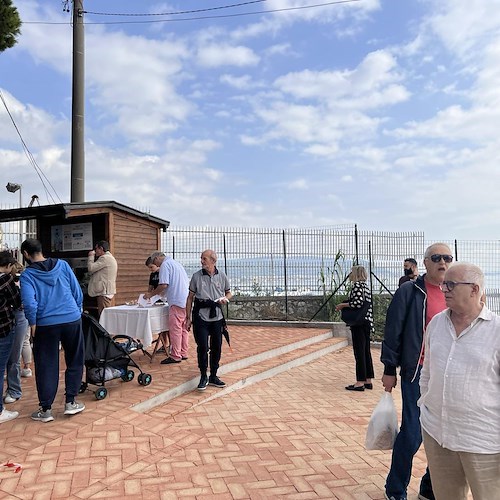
{"points": [[30, 157], [198, 18], [177, 12]]}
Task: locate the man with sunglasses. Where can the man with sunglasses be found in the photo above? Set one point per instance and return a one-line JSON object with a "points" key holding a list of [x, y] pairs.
{"points": [[414, 304], [460, 386]]}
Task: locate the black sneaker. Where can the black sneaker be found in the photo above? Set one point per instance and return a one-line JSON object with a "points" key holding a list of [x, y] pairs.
{"points": [[203, 383], [216, 381]]}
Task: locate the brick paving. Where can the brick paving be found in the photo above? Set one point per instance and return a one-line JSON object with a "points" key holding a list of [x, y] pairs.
{"points": [[295, 434]]}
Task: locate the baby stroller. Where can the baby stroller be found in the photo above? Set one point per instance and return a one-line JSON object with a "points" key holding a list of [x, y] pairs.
{"points": [[108, 358]]}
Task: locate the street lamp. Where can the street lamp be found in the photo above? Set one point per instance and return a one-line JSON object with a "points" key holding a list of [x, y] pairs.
{"points": [[13, 187]]}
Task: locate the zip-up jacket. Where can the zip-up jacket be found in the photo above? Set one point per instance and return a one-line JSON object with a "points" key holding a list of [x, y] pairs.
{"points": [[404, 329], [51, 293]]}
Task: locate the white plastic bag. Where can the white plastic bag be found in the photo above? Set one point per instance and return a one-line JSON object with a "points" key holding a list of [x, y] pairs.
{"points": [[383, 425]]}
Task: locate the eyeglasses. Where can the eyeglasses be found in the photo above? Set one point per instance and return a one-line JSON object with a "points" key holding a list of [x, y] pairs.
{"points": [[437, 258], [450, 285]]}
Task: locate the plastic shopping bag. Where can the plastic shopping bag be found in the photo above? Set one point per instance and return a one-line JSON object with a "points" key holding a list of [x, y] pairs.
{"points": [[383, 425]]}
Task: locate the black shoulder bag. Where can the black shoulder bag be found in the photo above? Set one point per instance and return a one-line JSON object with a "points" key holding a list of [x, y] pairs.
{"points": [[352, 316]]}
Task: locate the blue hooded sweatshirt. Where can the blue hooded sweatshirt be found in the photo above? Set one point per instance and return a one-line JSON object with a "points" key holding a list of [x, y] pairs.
{"points": [[50, 293]]}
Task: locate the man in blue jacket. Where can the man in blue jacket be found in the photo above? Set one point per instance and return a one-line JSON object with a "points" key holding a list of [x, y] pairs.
{"points": [[414, 304], [52, 300]]}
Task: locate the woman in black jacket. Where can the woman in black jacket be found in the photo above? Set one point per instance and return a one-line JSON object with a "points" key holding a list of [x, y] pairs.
{"points": [[360, 294]]}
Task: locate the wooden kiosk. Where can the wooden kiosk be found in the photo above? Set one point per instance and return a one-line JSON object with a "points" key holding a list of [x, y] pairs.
{"points": [[69, 230]]}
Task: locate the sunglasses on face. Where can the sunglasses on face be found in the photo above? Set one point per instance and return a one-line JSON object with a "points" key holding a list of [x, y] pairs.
{"points": [[450, 285], [437, 258]]}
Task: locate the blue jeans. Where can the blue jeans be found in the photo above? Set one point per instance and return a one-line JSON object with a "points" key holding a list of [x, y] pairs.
{"points": [[5, 348], [407, 444], [14, 362]]}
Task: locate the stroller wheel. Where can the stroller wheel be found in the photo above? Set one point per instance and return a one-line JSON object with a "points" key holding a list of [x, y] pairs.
{"points": [[128, 376], [101, 393], [144, 379], [83, 388]]}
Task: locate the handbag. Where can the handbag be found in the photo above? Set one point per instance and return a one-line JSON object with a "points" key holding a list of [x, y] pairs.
{"points": [[352, 316]]}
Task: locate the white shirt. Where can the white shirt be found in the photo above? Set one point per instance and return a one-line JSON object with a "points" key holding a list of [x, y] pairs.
{"points": [[460, 384]]}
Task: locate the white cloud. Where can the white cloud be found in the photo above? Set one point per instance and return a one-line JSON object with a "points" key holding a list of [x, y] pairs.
{"points": [[465, 26], [337, 105], [371, 85], [54, 50], [36, 126], [142, 105], [298, 184], [334, 14], [216, 55], [239, 82], [281, 49]]}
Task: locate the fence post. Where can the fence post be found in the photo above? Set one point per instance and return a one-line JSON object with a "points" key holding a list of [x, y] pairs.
{"points": [[173, 247], [285, 276], [224, 250], [370, 267], [225, 266], [356, 243], [456, 251]]}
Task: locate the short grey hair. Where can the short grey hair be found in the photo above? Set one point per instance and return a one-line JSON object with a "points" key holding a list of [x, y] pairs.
{"points": [[358, 273], [470, 273], [430, 249], [156, 255]]}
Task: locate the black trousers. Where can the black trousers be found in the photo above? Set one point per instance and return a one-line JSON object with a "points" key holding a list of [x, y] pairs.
{"points": [[362, 354], [46, 356], [205, 333]]}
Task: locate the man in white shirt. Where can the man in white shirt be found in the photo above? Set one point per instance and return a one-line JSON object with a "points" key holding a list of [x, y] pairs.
{"points": [[174, 285], [460, 391]]}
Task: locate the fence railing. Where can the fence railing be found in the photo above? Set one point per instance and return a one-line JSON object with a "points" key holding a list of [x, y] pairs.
{"points": [[267, 261], [315, 261], [311, 261]]}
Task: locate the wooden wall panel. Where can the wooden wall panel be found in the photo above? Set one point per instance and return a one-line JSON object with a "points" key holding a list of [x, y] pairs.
{"points": [[134, 241]]}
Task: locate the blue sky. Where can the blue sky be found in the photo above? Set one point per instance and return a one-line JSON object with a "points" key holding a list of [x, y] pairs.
{"points": [[380, 113]]}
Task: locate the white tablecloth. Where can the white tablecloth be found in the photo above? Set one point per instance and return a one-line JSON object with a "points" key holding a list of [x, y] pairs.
{"points": [[137, 322]]}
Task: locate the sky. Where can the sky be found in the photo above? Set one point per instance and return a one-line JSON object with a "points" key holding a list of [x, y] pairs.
{"points": [[382, 113]]}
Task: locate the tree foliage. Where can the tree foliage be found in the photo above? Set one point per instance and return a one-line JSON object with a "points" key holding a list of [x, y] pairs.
{"points": [[10, 25]]}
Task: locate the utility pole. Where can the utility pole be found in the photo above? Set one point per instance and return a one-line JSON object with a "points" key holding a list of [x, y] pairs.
{"points": [[78, 108]]}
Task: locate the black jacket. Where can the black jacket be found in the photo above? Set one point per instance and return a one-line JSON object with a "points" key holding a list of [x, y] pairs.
{"points": [[404, 329]]}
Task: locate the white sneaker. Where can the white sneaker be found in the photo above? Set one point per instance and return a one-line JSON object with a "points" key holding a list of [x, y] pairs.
{"points": [[9, 399], [26, 372], [7, 415], [74, 408]]}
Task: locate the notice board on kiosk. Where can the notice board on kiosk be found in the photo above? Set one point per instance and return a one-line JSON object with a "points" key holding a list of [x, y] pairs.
{"points": [[71, 237]]}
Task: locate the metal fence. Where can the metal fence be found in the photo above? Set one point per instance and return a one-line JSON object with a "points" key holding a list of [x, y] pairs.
{"points": [[273, 262], [266, 261], [312, 261]]}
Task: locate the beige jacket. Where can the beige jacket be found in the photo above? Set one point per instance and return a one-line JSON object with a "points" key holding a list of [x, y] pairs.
{"points": [[102, 275]]}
